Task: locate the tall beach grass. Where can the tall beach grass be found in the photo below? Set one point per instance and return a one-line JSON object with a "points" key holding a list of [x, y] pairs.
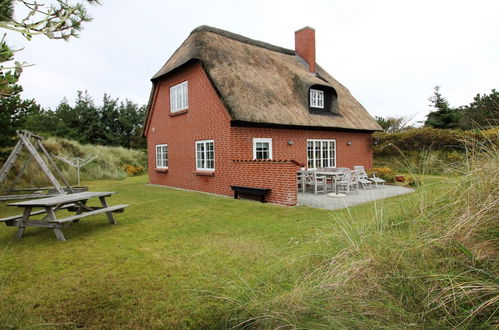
{"points": [[108, 164], [430, 262]]}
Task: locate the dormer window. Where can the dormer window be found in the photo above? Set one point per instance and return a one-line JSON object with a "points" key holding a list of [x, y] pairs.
{"points": [[316, 99], [323, 100]]}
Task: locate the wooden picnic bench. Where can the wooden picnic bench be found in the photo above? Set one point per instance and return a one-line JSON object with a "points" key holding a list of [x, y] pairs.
{"points": [[250, 191], [72, 202]]}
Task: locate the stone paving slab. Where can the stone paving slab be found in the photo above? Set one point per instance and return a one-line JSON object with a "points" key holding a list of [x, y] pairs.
{"points": [[323, 201]]}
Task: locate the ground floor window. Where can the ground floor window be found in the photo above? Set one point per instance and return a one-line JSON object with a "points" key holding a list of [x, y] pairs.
{"points": [[161, 156], [262, 148], [205, 155], [321, 153]]}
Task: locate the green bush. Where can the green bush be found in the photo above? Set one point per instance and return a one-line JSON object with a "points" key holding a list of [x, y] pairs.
{"points": [[427, 138], [132, 170], [428, 150]]}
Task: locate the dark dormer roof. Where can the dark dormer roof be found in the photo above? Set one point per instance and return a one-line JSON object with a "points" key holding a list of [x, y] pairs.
{"points": [[263, 83]]}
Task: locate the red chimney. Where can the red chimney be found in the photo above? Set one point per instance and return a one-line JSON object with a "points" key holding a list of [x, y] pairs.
{"points": [[305, 46]]}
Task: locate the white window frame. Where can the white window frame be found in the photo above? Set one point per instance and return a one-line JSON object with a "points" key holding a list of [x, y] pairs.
{"points": [[329, 161], [179, 97], [316, 98], [262, 140], [160, 161], [205, 152]]}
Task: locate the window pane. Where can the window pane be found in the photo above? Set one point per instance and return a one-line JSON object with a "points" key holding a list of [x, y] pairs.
{"points": [[210, 155], [316, 98], [262, 150], [185, 95], [179, 97], [321, 153], [310, 154], [205, 155], [162, 156]]}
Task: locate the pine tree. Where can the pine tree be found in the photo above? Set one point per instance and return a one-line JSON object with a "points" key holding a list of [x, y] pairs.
{"points": [[443, 116], [483, 112]]}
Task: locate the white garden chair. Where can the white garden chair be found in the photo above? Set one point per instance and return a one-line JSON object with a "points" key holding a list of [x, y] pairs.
{"points": [[319, 181], [349, 181], [363, 175], [300, 181], [364, 181]]}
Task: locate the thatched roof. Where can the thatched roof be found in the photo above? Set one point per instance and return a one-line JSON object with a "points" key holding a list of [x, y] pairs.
{"points": [[265, 84]]}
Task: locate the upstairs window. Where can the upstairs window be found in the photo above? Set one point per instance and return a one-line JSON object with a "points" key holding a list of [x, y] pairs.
{"points": [[262, 148], [161, 156], [179, 97], [316, 98], [205, 155]]}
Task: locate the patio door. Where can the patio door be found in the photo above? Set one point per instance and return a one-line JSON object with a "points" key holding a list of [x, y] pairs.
{"points": [[321, 153]]}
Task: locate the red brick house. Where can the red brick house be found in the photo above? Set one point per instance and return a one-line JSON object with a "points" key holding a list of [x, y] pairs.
{"points": [[228, 110]]}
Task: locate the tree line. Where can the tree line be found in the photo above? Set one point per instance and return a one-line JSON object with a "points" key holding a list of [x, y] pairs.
{"points": [[113, 123], [481, 113]]}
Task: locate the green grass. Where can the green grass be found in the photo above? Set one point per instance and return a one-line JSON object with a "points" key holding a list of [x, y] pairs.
{"points": [[182, 259], [156, 267]]}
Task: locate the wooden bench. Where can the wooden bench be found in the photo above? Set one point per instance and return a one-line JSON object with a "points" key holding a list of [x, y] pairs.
{"points": [[110, 209], [9, 221], [250, 191]]}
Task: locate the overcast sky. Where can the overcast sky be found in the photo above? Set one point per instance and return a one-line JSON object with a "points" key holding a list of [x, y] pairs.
{"points": [[389, 54]]}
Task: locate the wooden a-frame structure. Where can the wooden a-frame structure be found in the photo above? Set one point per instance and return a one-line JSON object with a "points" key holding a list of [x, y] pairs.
{"points": [[25, 138]]}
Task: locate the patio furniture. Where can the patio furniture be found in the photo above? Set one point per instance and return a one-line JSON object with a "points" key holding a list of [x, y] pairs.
{"points": [[374, 178], [377, 180], [319, 181], [350, 180], [300, 181], [363, 178], [73, 203], [250, 191], [365, 183], [313, 178]]}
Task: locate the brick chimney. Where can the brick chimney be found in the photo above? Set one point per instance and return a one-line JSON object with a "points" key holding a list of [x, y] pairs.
{"points": [[305, 46]]}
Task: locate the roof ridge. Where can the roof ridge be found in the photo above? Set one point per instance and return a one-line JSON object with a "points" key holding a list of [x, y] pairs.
{"points": [[243, 39]]}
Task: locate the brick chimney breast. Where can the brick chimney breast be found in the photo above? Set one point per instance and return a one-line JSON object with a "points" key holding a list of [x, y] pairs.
{"points": [[305, 46]]}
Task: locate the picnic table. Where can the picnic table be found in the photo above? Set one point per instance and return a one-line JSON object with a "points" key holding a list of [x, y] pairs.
{"points": [[72, 202]]}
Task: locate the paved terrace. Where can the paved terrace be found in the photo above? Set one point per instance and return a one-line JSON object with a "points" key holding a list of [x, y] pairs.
{"points": [[323, 201]]}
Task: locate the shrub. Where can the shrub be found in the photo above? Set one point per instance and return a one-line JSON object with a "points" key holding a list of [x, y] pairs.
{"points": [[410, 180], [133, 170], [427, 138]]}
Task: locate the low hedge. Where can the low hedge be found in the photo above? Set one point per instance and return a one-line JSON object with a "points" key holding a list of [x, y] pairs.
{"points": [[427, 138]]}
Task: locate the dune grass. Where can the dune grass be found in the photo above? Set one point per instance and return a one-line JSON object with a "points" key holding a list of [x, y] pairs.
{"points": [[182, 259], [109, 163]]}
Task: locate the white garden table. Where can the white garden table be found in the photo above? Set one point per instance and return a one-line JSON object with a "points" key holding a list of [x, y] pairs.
{"points": [[334, 176]]}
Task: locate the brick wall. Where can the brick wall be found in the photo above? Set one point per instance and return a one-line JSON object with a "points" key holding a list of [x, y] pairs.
{"points": [[357, 153], [207, 119], [280, 176]]}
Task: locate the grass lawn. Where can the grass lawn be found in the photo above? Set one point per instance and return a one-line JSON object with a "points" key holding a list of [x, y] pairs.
{"points": [[172, 260]]}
